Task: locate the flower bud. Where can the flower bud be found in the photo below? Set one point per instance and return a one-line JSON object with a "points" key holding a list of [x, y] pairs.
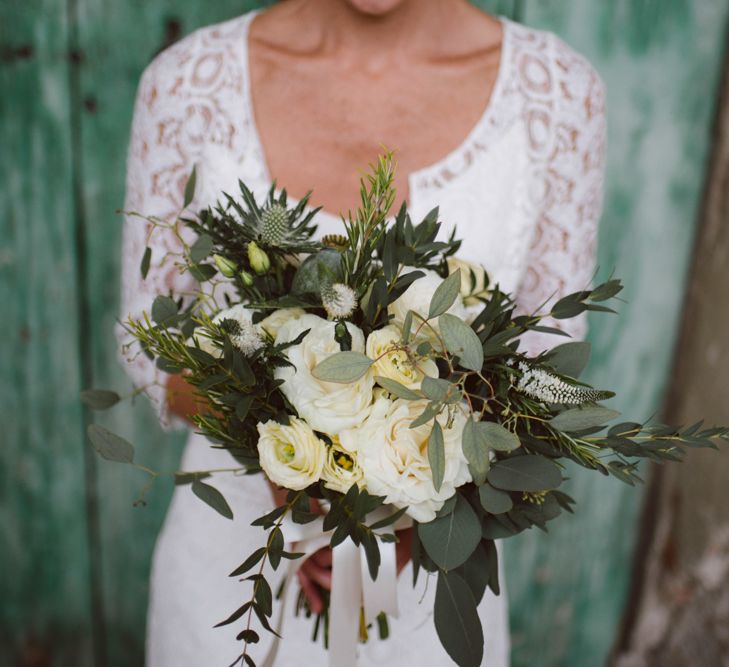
{"points": [[246, 278], [225, 266], [259, 260]]}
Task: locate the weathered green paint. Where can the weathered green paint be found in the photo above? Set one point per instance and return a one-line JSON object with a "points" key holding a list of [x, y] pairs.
{"points": [[45, 612], [660, 62], [60, 127]]}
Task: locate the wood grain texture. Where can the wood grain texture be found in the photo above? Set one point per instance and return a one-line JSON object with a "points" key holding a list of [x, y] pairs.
{"points": [[681, 598], [45, 613], [660, 62], [118, 40]]}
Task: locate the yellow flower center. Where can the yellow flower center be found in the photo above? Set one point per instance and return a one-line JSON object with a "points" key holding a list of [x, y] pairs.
{"points": [[344, 461], [285, 452]]}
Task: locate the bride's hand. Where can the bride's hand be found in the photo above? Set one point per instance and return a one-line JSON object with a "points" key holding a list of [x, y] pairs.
{"points": [[182, 399], [316, 572]]}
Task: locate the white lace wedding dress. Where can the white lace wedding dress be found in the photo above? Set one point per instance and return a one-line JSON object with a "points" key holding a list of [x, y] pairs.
{"points": [[524, 189]]}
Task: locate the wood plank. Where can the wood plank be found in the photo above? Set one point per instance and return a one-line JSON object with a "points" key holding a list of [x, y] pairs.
{"points": [[45, 616], [679, 595], [661, 63], [117, 41]]}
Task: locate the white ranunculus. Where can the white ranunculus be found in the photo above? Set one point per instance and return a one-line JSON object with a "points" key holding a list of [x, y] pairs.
{"points": [[341, 469], [395, 363], [417, 298], [328, 407], [291, 456], [277, 318], [473, 280], [394, 457]]}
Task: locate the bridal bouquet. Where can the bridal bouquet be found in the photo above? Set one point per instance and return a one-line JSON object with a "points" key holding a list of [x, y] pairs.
{"points": [[381, 376]]}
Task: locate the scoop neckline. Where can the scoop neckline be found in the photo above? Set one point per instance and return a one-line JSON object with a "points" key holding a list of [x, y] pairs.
{"points": [[423, 173]]}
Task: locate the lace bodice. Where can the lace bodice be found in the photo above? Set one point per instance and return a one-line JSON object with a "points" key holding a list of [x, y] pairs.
{"points": [[524, 187]]}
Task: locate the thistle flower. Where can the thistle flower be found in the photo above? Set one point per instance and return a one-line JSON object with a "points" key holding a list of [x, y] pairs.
{"points": [[259, 260], [244, 335], [274, 225], [225, 266], [339, 300], [544, 386]]}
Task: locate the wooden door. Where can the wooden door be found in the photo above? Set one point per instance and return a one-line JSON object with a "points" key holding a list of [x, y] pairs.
{"points": [[75, 553]]}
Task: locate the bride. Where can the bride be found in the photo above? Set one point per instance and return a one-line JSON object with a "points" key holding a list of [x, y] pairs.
{"points": [[500, 125]]}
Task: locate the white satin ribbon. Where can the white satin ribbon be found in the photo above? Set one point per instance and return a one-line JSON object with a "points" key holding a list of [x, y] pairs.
{"points": [[352, 586]]}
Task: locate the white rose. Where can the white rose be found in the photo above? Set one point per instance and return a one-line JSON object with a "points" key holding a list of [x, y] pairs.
{"points": [[292, 456], [417, 298], [277, 318], [394, 457], [341, 469], [395, 363], [326, 406], [473, 280]]}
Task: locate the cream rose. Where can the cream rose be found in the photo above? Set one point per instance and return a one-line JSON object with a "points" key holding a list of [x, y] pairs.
{"points": [[326, 406], [417, 298], [473, 280], [341, 469], [292, 456], [277, 318], [394, 457], [394, 364]]}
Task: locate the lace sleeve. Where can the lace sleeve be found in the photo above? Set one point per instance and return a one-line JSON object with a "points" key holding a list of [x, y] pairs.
{"points": [[561, 259], [159, 161]]}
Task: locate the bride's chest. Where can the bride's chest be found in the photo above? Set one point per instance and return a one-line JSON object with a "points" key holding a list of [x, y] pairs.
{"points": [[337, 120]]}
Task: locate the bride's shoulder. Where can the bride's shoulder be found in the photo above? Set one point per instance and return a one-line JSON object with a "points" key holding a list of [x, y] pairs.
{"points": [[543, 63], [202, 60]]}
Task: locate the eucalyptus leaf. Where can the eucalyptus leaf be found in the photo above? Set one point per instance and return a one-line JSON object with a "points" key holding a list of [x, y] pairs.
{"points": [[210, 495], [342, 367], [493, 500], [146, 260], [164, 311], [397, 389], [451, 539], [436, 389], [461, 341], [580, 419], [99, 399], [530, 473], [570, 358], [201, 249], [445, 295], [109, 445], [456, 620], [497, 437], [476, 452], [436, 455], [190, 188]]}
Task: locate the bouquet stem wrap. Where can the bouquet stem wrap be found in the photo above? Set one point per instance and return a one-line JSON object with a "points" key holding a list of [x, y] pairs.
{"points": [[353, 589]]}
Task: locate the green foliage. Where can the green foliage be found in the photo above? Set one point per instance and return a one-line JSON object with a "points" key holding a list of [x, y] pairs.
{"points": [[456, 620], [100, 399], [344, 367], [451, 539], [211, 496], [109, 445]]}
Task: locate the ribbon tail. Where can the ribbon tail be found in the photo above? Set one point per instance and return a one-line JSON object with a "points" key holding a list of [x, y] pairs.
{"points": [[344, 606], [380, 595]]}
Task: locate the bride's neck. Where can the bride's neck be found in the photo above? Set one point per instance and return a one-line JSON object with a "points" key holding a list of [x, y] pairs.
{"points": [[410, 27]]}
